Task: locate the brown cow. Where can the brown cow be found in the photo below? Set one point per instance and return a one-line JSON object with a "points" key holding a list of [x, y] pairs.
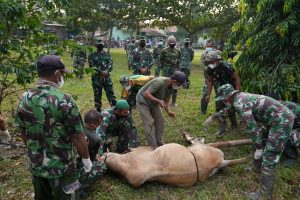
{"points": [[172, 164]]}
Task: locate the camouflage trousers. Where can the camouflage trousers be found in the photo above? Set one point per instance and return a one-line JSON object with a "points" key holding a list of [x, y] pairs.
{"points": [[131, 99], [54, 188], [203, 102], [157, 68], [187, 72], [295, 137], [126, 133], [278, 136], [107, 85]]}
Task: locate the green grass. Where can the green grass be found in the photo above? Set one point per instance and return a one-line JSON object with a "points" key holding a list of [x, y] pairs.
{"points": [[231, 183]]}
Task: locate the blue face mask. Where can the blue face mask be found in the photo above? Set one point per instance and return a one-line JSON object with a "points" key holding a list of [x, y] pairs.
{"points": [[208, 49]]}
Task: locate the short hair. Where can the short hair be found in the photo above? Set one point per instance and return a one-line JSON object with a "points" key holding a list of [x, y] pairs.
{"points": [[45, 73], [92, 117]]}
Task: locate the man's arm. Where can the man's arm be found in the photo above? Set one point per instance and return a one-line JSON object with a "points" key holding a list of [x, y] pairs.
{"points": [[237, 80], [210, 84], [192, 54], [152, 98], [80, 144]]}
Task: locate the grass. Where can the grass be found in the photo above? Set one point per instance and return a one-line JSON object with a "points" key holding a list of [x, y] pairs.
{"points": [[231, 183]]}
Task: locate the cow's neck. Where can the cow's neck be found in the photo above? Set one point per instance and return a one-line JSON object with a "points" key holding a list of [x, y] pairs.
{"points": [[116, 162]]}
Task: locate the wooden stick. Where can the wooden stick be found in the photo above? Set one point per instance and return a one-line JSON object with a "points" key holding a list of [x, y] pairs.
{"points": [[231, 143]]}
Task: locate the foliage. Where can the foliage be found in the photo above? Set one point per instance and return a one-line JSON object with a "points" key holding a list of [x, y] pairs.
{"points": [[269, 34], [22, 41]]}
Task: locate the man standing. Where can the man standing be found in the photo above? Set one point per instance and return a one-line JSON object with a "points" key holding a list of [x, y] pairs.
{"points": [[220, 73], [169, 59], [275, 117], [129, 49], [156, 56], [117, 121], [208, 48], [187, 56], [50, 126], [150, 98], [141, 59], [101, 61]]}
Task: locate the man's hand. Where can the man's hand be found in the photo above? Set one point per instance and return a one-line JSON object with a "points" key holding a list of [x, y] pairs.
{"points": [[207, 98], [98, 157], [258, 154], [162, 104], [143, 70], [208, 121], [87, 165], [171, 114], [104, 74]]}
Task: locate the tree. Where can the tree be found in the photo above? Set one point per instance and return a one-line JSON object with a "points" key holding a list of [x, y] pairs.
{"points": [[269, 34], [192, 15], [22, 41]]}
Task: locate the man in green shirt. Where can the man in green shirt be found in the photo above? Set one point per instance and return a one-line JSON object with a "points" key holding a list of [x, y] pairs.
{"points": [[51, 128], [150, 98]]}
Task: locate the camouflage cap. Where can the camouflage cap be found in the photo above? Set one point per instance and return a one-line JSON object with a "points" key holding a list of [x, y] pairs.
{"points": [[171, 40], [225, 91], [124, 80], [121, 105], [212, 56], [187, 40]]}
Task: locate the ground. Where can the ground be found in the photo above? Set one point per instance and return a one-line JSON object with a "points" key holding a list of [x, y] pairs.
{"points": [[231, 183]]}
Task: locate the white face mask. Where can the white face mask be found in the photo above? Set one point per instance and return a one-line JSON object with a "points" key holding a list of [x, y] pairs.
{"points": [[61, 82], [212, 66], [175, 86], [208, 49], [160, 43]]}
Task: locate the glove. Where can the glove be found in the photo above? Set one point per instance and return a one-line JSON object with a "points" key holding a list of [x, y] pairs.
{"points": [[208, 121], [87, 165], [258, 154], [4, 136]]}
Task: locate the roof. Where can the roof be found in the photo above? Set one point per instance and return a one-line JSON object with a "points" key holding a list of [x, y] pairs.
{"points": [[153, 32]]}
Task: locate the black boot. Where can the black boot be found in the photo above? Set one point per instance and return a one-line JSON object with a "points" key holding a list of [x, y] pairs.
{"points": [[267, 180], [256, 165]]}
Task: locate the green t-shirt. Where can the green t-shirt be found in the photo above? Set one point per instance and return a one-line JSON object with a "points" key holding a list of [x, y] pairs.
{"points": [[158, 88]]}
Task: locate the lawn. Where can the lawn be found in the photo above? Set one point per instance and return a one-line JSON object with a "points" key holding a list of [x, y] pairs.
{"points": [[230, 183]]}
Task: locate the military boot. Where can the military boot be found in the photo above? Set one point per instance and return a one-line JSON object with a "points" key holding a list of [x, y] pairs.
{"points": [[267, 180], [256, 165], [203, 106]]}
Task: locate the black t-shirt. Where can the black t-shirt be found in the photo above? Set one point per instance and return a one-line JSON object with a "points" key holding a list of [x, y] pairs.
{"points": [[222, 74]]}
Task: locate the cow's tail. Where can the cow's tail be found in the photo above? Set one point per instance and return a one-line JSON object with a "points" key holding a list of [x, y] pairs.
{"points": [[229, 163]]}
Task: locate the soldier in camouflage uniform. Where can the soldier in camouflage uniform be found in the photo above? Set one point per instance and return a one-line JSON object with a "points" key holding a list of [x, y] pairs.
{"points": [[209, 47], [141, 59], [220, 73], [50, 126], [118, 122], [169, 59], [101, 61], [79, 56], [129, 49], [275, 117], [187, 56], [130, 87], [156, 56]]}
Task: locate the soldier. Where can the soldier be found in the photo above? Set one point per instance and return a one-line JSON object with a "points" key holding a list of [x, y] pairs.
{"points": [[150, 98], [141, 59], [101, 61], [156, 56], [169, 59], [275, 117], [116, 121], [208, 47], [129, 49], [50, 126], [220, 73], [130, 87], [79, 56], [187, 56]]}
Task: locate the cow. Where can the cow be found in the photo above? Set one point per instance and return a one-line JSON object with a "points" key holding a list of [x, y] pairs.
{"points": [[171, 164]]}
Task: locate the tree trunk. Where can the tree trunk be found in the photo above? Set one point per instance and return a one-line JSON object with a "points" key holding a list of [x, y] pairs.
{"points": [[110, 36]]}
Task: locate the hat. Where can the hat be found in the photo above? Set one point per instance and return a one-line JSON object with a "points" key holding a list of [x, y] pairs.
{"points": [[121, 105], [124, 80], [212, 56], [186, 40], [171, 40], [179, 77], [99, 41], [225, 91], [51, 62]]}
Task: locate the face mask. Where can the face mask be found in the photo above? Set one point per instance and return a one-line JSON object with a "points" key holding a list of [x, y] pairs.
{"points": [[160, 43], [175, 86], [142, 45], [208, 49], [186, 44], [61, 82], [212, 66], [172, 45], [100, 47], [128, 87]]}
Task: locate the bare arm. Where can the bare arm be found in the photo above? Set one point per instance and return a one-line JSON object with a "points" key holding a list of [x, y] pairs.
{"points": [[149, 96], [209, 83], [81, 145], [236, 77]]}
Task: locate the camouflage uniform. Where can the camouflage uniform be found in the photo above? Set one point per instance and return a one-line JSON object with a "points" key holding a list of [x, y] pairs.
{"points": [[102, 61], [156, 57], [129, 49], [169, 59], [141, 58], [79, 55], [49, 118], [295, 135], [122, 127], [187, 56], [204, 104]]}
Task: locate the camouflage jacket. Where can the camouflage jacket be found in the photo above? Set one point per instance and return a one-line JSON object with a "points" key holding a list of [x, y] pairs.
{"points": [[295, 108], [101, 61], [222, 74], [187, 56], [49, 118], [170, 58], [141, 58], [255, 108], [156, 54], [130, 47]]}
